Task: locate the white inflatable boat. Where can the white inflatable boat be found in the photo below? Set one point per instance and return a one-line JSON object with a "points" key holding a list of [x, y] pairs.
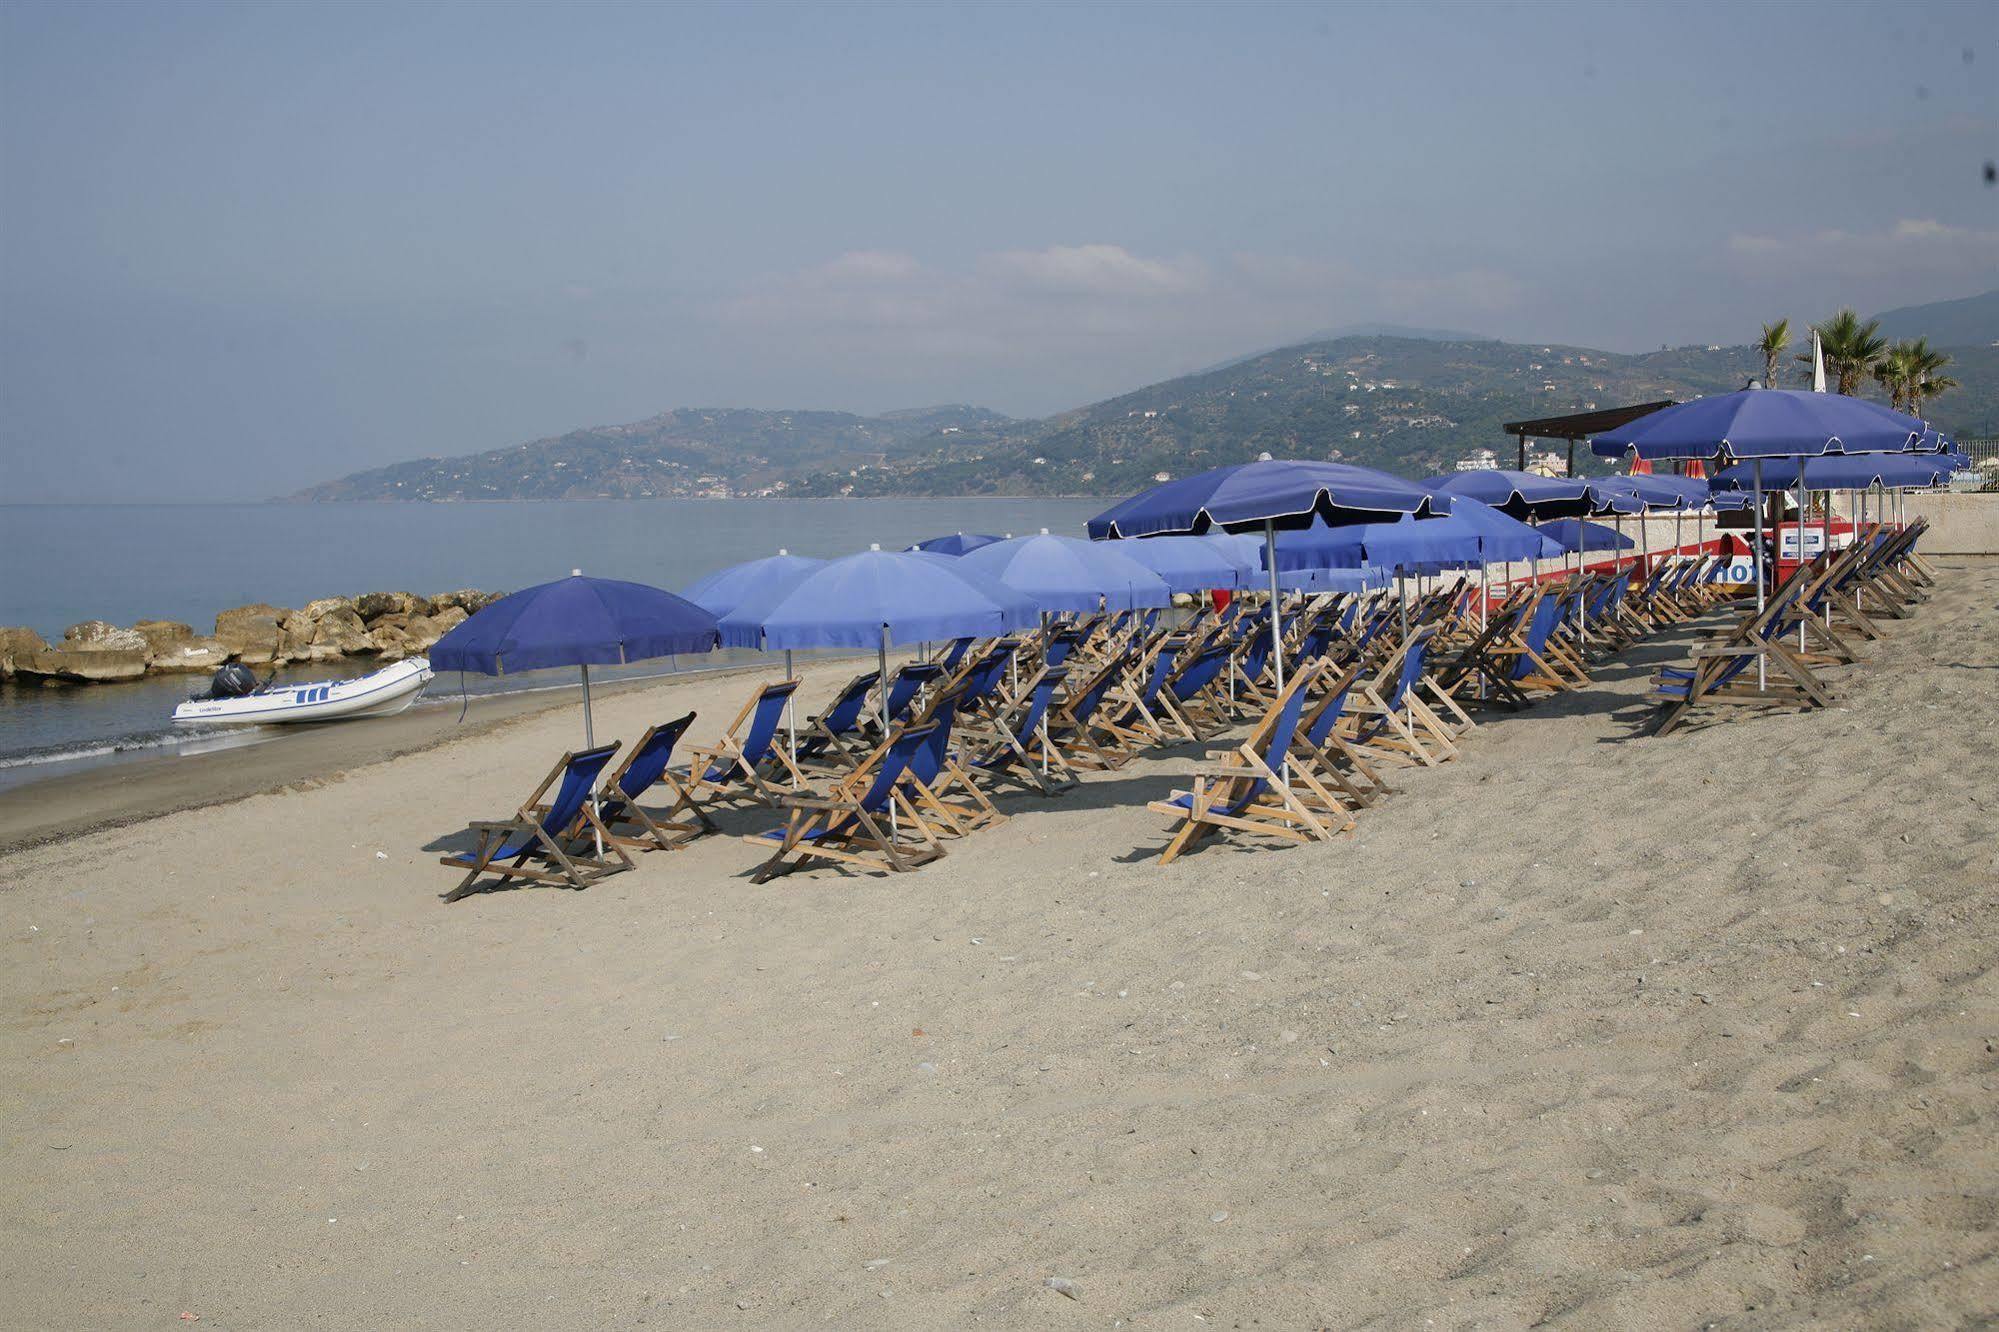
{"points": [[381, 694]]}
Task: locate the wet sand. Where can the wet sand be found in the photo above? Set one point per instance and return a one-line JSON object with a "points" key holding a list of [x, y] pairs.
{"points": [[1588, 1028]]}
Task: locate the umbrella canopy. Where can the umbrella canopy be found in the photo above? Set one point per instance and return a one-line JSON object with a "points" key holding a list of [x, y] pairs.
{"points": [[1409, 546], [1367, 578], [1521, 495], [877, 598], [1193, 564], [956, 543], [1658, 492], [1473, 534], [1608, 497], [1285, 493], [1573, 534], [1070, 574], [1859, 472], [575, 621], [725, 589], [1763, 423]]}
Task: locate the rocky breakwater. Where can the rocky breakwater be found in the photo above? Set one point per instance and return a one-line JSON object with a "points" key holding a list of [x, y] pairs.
{"points": [[387, 626]]}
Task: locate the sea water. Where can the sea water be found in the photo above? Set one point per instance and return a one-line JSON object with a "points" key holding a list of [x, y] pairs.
{"points": [[60, 564]]}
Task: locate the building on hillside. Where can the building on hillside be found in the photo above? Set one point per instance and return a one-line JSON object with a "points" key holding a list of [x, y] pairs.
{"points": [[1548, 464], [1479, 460]]}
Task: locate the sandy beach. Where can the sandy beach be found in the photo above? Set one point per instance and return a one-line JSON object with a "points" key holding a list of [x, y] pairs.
{"points": [[1589, 1028]]}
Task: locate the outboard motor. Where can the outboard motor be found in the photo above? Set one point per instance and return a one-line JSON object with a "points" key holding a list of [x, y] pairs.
{"points": [[233, 681]]}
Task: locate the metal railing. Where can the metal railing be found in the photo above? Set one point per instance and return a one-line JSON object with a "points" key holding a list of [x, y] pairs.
{"points": [[1983, 474]]}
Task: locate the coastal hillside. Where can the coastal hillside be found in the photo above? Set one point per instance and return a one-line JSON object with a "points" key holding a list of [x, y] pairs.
{"points": [[691, 451], [1411, 401], [1404, 405]]}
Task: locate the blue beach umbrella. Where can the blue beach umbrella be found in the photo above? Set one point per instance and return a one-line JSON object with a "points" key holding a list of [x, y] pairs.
{"points": [[1367, 578], [1281, 493], [956, 543], [1521, 495], [1853, 472], [575, 621], [725, 589], [876, 599], [1190, 563], [1269, 494], [1764, 423], [1575, 535], [1070, 574]]}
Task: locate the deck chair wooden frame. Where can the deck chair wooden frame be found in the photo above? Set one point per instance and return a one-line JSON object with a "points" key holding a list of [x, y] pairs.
{"points": [[1243, 788], [643, 768], [553, 833]]}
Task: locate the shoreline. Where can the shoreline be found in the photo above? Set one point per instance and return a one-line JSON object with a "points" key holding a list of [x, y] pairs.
{"points": [[119, 790]]}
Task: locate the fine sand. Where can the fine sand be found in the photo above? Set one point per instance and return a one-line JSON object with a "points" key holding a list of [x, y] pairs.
{"points": [[1588, 1028]]}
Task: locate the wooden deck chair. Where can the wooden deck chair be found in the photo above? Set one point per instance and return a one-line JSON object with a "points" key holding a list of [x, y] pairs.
{"points": [[1246, 791], [909, 681], [1011, 745], [1389, 719], [748, 762], [855, 823], [1327, 753], [1195, 694], [835, 738], [1075, 728], [1724, 671], [941, 793], [643, 769], [555, 842]]}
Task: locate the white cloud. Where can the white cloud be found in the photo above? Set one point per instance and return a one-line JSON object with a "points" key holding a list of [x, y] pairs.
{"points": [[1911, 248], [1096, 270]]}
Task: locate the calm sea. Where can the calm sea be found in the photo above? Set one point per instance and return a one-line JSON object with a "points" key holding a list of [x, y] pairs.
{"points": [[60, 564]]}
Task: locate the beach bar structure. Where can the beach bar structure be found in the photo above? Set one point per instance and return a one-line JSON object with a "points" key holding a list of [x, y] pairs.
{"points": [[1579, 426]]}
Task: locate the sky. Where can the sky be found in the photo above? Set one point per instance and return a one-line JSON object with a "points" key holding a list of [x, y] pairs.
{"points": [[248, 247]]}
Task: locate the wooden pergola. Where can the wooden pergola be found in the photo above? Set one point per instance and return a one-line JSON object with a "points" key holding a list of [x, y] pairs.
{"points": [[1577, 426]]}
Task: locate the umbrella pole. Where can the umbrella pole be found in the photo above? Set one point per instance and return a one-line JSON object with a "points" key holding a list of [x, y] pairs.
{"points": [[1804, 611], [790, 717], [881, 709], [1484, 595], [1756, 473], [590, 742], [1276, 613]]}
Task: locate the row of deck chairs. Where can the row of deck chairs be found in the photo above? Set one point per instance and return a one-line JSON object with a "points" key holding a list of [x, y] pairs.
{"points": [[887, 773], [1814, 619], [1359, 703]]}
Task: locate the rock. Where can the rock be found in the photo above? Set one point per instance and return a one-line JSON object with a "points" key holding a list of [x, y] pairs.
{"points": [[1063, 1286], [84, 666], [320, 608], [163, 637], [193, 654], [373, 606], [424, 630], [17, 642], [252, 634], [324, 630], [392, 642], [469, 600], [102, 636]]}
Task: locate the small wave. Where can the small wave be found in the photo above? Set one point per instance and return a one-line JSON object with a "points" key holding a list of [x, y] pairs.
{"points": [[104, 748]]}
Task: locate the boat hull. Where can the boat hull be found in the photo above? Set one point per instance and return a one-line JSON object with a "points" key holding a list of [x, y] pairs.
{"points": [[380, 694]]}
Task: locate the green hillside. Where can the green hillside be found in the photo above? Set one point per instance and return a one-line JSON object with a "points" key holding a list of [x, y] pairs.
{"points": [[1412, 405], [693, 451]]}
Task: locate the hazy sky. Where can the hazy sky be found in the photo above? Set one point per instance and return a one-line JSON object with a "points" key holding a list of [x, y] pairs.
{"points": [[247, 247]]}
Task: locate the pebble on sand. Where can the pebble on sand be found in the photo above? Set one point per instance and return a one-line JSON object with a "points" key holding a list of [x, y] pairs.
{"points": [[1064, 1287]]}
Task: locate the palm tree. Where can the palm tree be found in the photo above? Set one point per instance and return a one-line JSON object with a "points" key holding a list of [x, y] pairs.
{"points": [[1775, 342], [1896, 372], [1851, 348], [1928, 380], [1912, 372]]}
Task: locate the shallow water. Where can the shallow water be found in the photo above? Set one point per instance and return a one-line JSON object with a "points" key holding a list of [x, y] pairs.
{"points": [[60, 564]]}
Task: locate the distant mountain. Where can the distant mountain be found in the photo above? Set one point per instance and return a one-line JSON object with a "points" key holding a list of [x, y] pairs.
{"points": [[1394, 331], [1971, 322], [720, 452], [1409, 404]]}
